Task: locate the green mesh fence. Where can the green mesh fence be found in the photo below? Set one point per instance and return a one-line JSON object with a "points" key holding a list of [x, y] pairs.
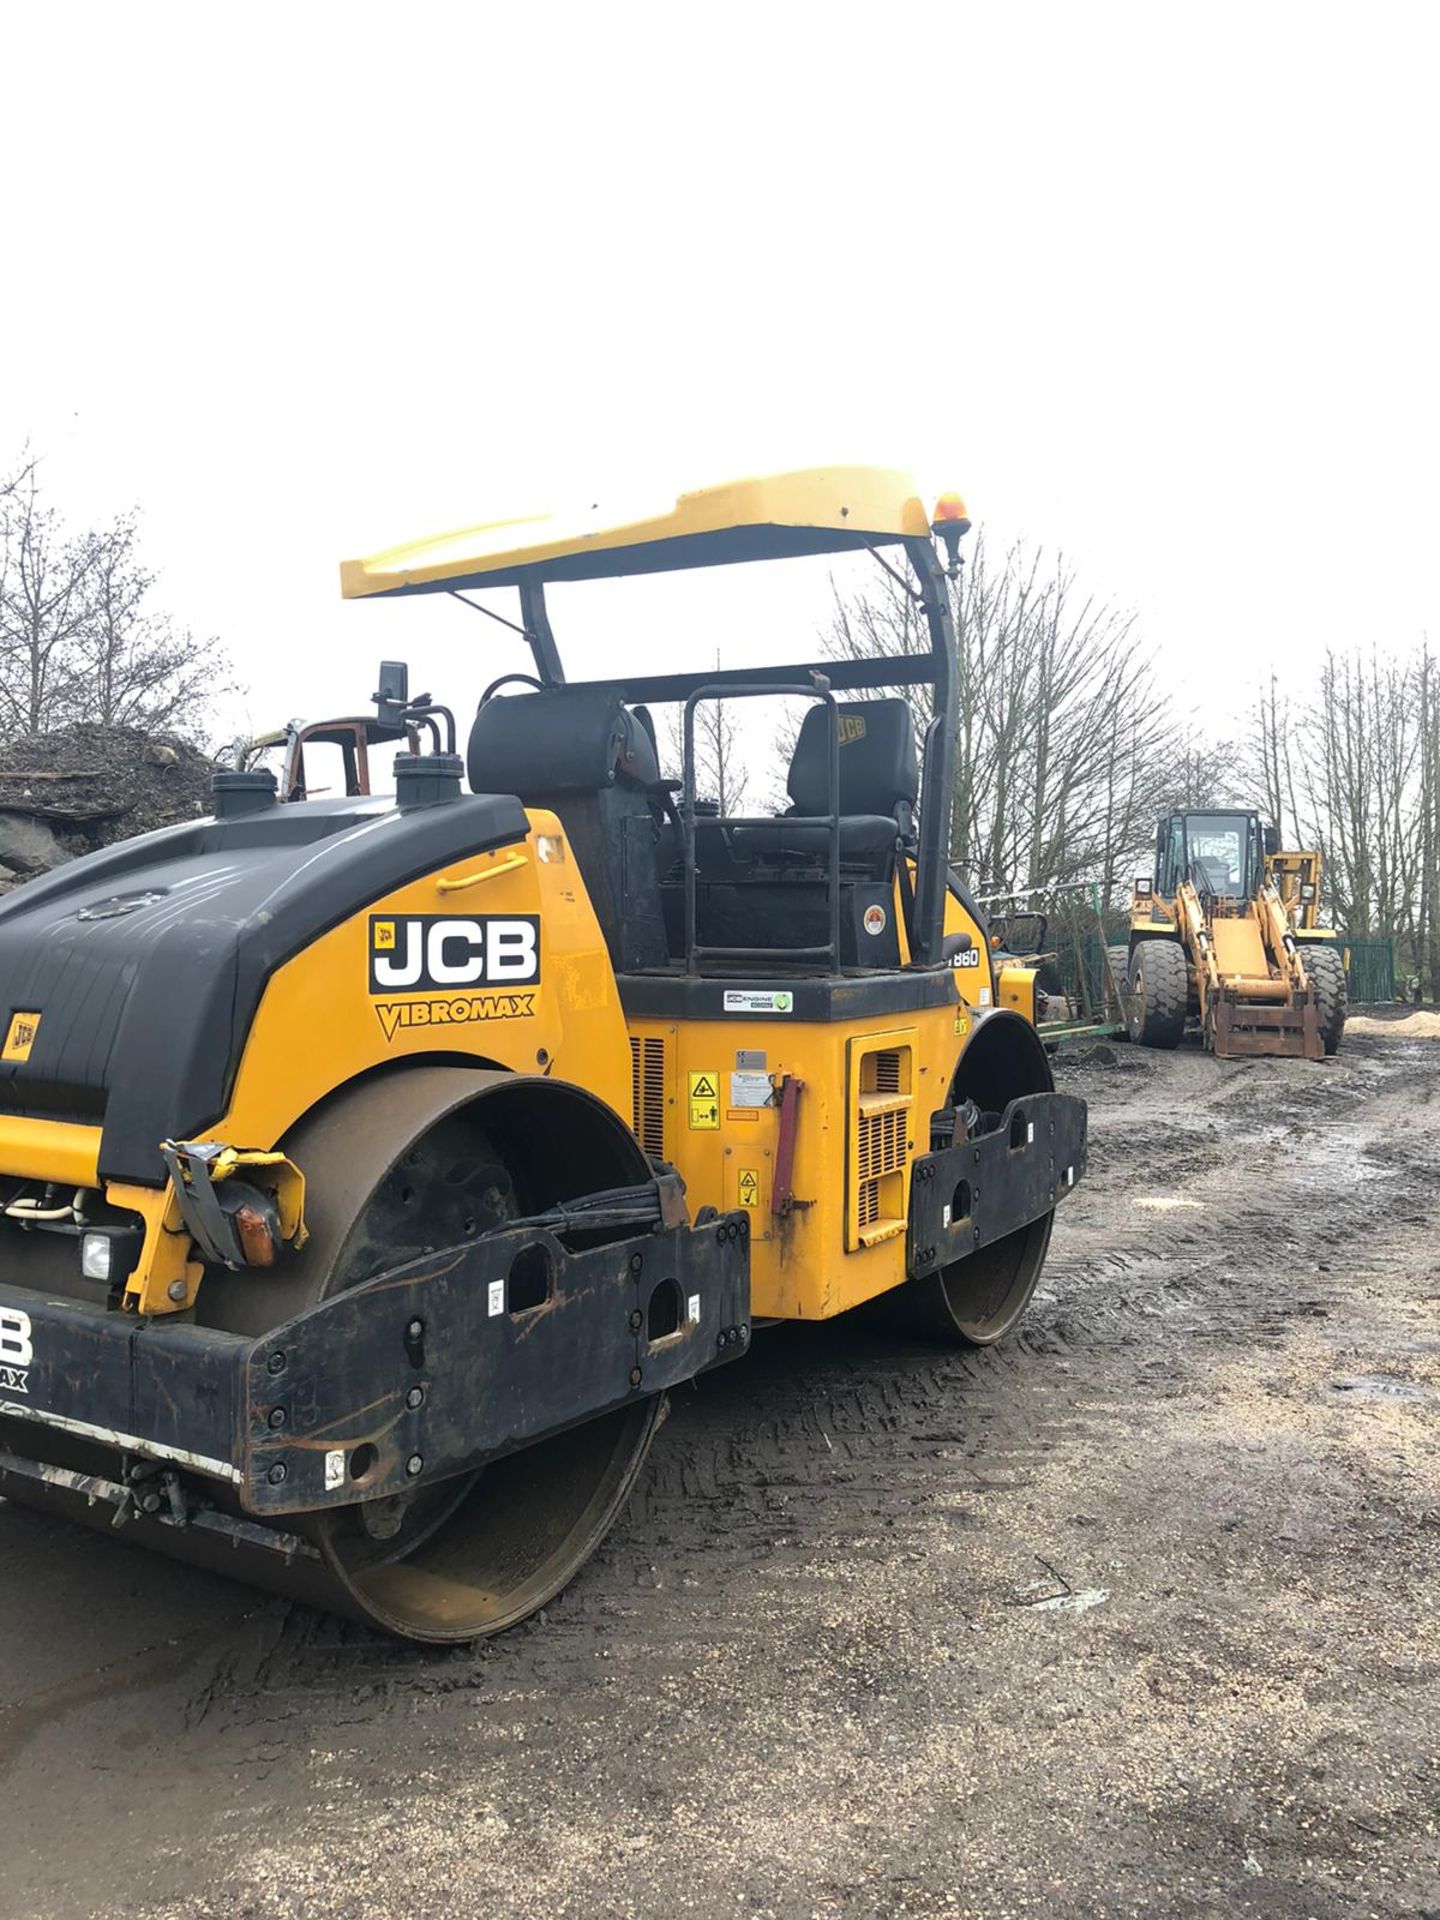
{"points": [[1371, 967]]}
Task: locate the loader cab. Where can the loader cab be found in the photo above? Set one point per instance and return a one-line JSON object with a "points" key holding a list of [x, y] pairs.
{"points": [[1221, 853]]}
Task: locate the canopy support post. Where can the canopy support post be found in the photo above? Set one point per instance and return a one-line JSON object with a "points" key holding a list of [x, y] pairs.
{"points": [[538, 631]]}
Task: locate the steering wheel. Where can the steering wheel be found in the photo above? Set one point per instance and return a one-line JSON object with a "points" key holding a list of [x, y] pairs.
{"points": [[509, 679]]}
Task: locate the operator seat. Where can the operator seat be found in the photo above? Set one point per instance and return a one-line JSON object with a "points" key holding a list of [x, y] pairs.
{"points": [[879, 789], [581, 753]]}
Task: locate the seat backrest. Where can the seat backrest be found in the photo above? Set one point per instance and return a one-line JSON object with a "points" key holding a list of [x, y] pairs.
{"points": [[580, 753], [561, 740], [879, 767]]}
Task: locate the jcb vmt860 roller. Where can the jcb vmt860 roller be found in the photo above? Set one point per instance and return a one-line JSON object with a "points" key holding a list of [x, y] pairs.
{"points": [[373, 1165]]}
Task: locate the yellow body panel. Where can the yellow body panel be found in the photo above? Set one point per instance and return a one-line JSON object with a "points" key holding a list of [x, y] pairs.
{"points": [[1018, 990], [825, 509], [800, 1266], [974, 970], [57, 1150], [1239, 948], [318, 1026]]}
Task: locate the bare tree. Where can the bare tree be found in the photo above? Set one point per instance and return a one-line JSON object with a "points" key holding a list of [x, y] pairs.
{"points": [[137, 668], [44, 586], [1065, 746], [720, 774], [79, 636]]}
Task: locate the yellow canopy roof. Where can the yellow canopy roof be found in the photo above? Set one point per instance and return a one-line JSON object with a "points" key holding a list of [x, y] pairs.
{"points": [[819, 510]]}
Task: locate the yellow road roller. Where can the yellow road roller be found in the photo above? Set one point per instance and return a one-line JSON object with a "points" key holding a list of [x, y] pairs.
{"points": [[371, 1166]]}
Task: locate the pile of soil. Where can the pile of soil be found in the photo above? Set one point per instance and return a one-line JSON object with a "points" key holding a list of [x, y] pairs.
{"points": [[1397, 1023], [68, 792]]}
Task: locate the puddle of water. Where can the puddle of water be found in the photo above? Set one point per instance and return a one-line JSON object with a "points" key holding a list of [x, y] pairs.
{"points": [[1079, 1600], [1040, 1598], [1383, 1386]]}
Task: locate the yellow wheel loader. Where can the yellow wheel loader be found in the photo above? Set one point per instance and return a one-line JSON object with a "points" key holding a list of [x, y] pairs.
{"points": [[370, 1167], [1226, 933]]}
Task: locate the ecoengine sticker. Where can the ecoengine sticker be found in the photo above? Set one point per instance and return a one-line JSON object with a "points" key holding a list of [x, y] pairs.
{"points": [[757, 1000], [17, 1351]]}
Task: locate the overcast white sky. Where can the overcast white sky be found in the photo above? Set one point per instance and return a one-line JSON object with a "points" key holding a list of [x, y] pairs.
{"points": [[1152, 284]]}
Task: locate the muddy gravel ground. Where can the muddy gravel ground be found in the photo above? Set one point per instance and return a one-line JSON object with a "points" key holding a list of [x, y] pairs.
{"points": [[1134, 1615]]}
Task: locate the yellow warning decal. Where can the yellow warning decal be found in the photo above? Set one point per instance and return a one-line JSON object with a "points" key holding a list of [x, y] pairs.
{"points": [[704, 1101], [749, 1187], [21, 1036]]}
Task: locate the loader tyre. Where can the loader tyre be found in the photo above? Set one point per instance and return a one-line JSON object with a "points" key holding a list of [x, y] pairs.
{"points": [[1157, 993], [1119, 958], [1332, 992]]}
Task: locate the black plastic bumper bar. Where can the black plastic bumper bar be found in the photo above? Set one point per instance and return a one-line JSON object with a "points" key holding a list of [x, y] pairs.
{"points": [[427, 1371]]}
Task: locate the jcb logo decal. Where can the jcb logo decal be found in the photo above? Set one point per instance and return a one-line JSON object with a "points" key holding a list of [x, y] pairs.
{"points": [[850, 727], [430, 953], [16, 1350]]}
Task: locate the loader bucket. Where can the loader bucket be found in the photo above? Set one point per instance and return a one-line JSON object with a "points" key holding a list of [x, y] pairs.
{"points": [[1286, 1030]]}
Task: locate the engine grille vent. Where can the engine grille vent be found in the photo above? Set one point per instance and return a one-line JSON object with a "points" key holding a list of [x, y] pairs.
{"points": [[880, 1130], [648, 1074]]}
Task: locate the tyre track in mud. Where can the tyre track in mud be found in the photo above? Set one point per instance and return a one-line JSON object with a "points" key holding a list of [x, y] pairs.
{"points": [[803, 1675]]}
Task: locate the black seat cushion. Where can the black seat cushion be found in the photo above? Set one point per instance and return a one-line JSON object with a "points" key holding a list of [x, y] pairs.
{"points": [[879, 767], [864, 837]]}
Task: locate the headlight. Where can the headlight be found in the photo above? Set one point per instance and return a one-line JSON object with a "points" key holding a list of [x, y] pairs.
{"points": [[95, 1256], [108, 1254]]}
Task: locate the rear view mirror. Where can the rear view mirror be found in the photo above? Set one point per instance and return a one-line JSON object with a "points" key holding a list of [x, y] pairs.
{"points": [[392, 696], [1272, 840]]}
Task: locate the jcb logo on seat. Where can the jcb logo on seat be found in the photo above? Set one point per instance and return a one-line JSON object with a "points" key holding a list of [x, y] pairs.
{"points": [[16, 1350], [428, 953]]}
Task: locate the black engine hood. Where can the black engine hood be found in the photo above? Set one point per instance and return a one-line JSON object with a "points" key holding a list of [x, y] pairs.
{"points": [[147, 961]]}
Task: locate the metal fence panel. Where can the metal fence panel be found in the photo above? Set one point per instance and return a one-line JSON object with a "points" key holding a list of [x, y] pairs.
{"points": [[1371, 967]]}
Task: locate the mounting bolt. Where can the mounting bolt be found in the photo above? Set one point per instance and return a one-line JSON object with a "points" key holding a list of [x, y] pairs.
{"points": [[276, 1418], [635, 1376], [276, 1363], [637, 1261], [414, 1397], [415, 1330], [415, 1465], [150, 1503], [278, 1473], [637, 1320], [178, 1291]]}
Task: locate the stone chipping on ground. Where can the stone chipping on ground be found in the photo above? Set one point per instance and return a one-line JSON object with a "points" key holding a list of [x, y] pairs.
{"points": [[1131, 1617]]}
